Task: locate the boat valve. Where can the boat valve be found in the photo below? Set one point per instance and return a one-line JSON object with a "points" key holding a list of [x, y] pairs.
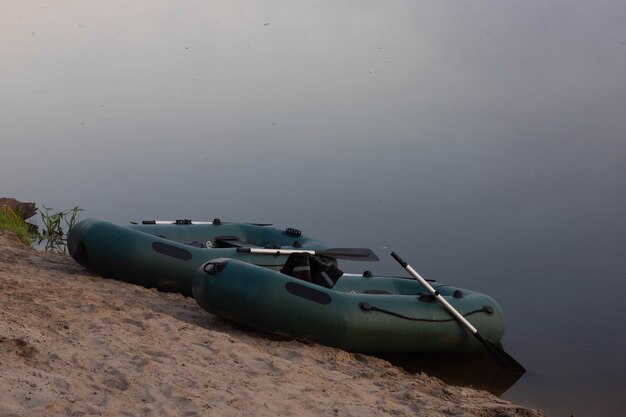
{"points": [[213, 267]]}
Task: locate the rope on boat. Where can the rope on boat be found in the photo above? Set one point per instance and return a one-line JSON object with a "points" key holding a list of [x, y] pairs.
{"points": [[368, 307]]}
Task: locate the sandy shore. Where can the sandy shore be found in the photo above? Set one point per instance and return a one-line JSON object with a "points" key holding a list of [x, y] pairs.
{"points": [[75, 344]]}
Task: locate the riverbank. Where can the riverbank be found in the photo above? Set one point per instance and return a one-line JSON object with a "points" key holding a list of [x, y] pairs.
{"points": [[73, 343]]}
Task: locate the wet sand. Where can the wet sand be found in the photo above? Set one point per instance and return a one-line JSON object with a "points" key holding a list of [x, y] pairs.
{"points": [[75, 344]]}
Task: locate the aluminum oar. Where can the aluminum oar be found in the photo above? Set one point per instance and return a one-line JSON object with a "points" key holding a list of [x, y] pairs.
{"points": [[350, 254], [216, 222], [497, 353]]}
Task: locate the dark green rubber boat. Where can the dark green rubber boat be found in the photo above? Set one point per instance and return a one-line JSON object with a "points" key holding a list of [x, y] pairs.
{"points": [[166, 254], [360, 313], [282, 282]]}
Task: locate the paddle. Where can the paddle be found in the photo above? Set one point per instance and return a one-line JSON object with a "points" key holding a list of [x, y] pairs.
{"points": [[216, 222], [497, 353], [350, 254]]}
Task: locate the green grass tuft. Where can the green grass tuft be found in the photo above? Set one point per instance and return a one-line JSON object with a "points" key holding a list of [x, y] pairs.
{"points": [[10, 221], [53, 232]]}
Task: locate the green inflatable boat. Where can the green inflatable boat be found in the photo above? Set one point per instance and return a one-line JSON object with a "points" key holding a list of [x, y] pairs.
{"points": [[359, 313], [166, 254]]}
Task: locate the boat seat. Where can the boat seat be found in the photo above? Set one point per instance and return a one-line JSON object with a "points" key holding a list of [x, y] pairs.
{"points": [[311, 268]]}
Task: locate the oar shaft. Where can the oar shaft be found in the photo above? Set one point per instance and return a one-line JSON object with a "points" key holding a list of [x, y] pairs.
{"points": [[264, 251], [351, 254], [173, 222], [436, 294]]}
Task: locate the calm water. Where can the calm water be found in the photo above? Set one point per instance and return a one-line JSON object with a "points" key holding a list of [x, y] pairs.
{"points": [[484, 142]]}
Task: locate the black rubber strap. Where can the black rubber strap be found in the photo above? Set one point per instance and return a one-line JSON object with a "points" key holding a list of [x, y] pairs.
{"points": [[368, 307]]}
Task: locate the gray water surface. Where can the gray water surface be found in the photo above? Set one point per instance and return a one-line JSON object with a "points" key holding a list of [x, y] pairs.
{"points": [[485, 142]]}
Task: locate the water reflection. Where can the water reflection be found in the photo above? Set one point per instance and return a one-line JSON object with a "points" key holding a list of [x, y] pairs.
{"points": [[476, 370]]}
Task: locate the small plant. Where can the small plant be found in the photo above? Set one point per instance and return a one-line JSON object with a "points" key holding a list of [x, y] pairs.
{"points": [[53, 232], [11, 221]]}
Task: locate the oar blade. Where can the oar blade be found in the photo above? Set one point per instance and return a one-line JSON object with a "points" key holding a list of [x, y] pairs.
{"points": [[350, 254], [500, 356]]}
